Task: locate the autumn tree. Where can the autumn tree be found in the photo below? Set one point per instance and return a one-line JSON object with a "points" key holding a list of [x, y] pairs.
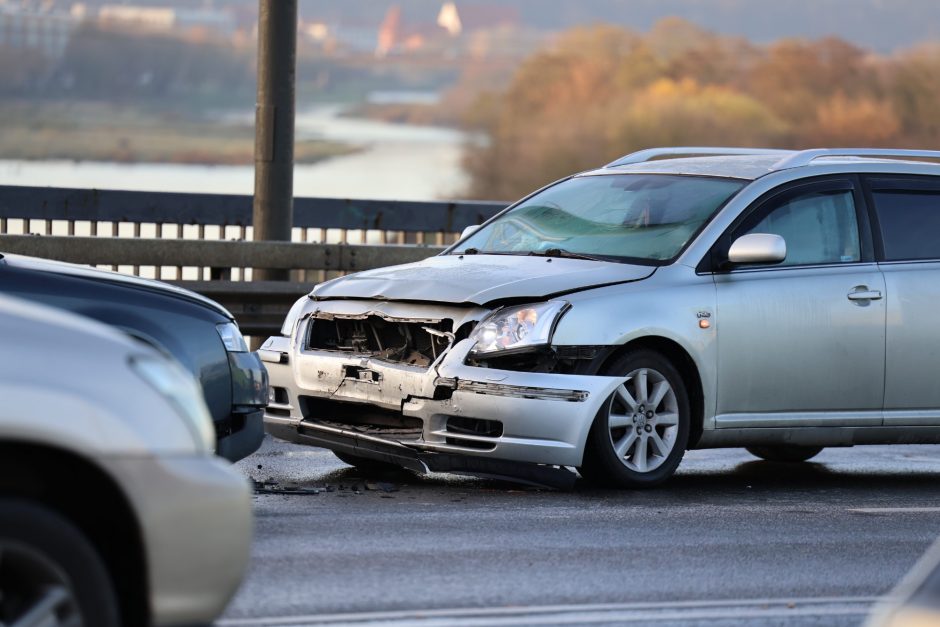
{"points": [[597, 93]]}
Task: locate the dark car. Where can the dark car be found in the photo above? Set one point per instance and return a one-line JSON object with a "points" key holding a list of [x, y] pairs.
{"points": [[201, 334]]}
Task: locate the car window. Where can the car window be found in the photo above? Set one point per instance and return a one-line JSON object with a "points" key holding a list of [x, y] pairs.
{"points": [[639, 218], [819, 227], [910, 223]]}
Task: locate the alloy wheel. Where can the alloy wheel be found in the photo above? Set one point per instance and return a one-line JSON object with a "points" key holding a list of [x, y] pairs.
{"points": [[643, 420]]}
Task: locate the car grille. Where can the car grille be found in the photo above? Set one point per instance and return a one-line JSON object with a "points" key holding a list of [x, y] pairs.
{"points": [[414, 343]]}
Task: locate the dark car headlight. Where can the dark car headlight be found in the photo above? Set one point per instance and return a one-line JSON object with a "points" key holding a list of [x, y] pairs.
{"points": [[232, 337]]}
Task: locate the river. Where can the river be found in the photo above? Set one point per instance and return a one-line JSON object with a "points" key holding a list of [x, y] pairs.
{"points": [[396, 161]]}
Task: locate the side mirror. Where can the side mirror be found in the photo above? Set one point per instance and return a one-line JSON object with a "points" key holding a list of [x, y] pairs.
{"points": [[470, 230], [758, 248]]}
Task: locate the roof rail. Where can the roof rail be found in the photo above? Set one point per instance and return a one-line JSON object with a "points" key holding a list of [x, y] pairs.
{"points": [[806, 157], [651, 154]]}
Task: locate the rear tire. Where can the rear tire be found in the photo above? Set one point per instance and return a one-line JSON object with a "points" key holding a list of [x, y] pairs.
{"points": [[640, 435], [366, 465], [789, 453], [45, 558]]}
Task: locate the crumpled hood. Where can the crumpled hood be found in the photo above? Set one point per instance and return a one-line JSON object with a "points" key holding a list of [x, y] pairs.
{"points": [[480, 279]]}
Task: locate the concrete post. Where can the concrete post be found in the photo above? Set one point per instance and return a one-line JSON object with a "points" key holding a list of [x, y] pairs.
{"points": [[274, 127]]}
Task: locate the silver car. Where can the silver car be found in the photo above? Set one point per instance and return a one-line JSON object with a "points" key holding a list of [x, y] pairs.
{"points": [[675, 299], [113, 509]]}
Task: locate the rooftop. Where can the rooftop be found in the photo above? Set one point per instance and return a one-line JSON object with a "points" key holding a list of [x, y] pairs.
{"points": [[750, 164]]}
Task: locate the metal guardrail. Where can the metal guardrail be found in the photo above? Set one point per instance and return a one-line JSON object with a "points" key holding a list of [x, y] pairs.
{"points": [[55, 203], [210, 239], [217, 253]]}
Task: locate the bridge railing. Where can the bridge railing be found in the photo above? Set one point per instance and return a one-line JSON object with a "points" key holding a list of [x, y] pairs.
{"points": [[203, 241]]}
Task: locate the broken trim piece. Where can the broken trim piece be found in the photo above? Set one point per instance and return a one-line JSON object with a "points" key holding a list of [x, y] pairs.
{"points": [[501, 389], [371, 447]]}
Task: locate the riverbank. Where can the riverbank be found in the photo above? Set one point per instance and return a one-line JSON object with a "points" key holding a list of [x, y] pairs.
{"points": [[31, 132], [393, 161]]}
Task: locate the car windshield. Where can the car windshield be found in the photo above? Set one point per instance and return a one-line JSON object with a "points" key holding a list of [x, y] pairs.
{"points": [[619, 217]]}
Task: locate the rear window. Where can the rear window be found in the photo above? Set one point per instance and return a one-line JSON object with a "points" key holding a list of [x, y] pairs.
{"points": [[910, 222]]}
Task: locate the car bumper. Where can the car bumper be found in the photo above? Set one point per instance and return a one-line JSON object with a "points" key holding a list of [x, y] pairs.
{"points": [[542, 418], [195, 516], [241, 432], [245, 432]]}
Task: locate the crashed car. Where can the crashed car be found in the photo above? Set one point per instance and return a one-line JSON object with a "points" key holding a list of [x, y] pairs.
{"points": [[674, 299]]}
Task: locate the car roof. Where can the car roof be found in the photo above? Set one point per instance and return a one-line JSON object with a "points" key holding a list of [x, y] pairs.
{"points": [[747, 167], [752, 163]]}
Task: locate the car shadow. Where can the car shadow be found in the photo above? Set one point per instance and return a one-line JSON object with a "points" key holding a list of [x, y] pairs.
{"points": [[746, 478]]}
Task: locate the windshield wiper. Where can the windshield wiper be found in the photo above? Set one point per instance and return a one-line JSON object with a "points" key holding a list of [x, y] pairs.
{"points": [[566, 254]]}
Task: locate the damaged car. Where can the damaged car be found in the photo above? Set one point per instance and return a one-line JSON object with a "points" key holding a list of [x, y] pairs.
{"points": [[674, 299]]}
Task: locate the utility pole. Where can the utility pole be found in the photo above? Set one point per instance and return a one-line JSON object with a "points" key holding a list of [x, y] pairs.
{"points": [[273, 206]]}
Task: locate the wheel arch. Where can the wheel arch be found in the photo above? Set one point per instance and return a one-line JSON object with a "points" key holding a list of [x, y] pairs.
{"points": [[687, 368], [89, 498]]}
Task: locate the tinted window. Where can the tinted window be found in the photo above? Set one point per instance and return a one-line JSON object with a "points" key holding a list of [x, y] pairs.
{"points": [[910, 223], [819, 227]]}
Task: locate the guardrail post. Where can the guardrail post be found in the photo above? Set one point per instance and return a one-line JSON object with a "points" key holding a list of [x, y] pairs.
{"points": [[272, 211]]}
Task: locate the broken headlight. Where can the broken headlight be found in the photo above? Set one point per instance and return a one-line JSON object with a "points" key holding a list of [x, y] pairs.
{"points": [[513, 329]]}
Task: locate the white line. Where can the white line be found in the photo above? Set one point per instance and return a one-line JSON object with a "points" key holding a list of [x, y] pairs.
{"points": [[896, 510], [579, 614]]}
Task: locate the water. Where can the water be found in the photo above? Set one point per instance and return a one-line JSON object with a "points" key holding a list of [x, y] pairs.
{"points": [[396, 161]]}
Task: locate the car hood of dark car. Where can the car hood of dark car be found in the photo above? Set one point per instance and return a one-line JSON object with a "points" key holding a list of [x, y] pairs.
{"points": [[481, 279], [94, 274]]}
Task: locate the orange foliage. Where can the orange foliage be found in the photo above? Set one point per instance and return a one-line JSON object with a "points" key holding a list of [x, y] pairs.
{"points": [[597, 93]]}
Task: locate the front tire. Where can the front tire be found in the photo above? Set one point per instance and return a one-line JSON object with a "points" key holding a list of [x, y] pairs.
{"points": [[49, 567], [788, 453], [640, 435]]}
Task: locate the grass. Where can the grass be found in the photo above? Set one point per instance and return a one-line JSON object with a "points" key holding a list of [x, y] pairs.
{"points": [[104, 132]]}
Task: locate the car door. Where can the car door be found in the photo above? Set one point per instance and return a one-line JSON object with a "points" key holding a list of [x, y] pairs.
{"points": [[801, 343], [907, 239]]}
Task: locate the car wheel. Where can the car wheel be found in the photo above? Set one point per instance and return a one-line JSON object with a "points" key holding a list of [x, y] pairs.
{"points": [[366, 465], [785, 453], [50, 574], [640, 435]]}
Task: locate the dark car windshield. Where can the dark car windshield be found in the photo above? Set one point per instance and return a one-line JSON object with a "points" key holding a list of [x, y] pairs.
{"points": [[640, 217]]}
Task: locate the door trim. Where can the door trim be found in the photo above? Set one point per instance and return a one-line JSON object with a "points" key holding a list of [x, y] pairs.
{"points": [[869, 418]]}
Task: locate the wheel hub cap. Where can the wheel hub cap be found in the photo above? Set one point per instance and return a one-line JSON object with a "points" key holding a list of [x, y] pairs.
{"points": [[643, 420]]}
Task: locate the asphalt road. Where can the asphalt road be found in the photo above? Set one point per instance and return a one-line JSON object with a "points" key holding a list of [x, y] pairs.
{"points": [[729, 541]]}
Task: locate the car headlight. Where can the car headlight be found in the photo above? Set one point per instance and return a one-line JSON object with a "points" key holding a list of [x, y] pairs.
{"points": [[182, 392], [517, 328], [232, 337], [288, 327]]}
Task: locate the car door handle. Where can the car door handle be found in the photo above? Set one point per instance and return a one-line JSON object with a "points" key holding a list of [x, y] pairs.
{"points": [[865, 295]]}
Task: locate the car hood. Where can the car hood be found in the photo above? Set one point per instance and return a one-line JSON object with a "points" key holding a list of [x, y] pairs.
{"points": [[480, 279], [86, 272]]}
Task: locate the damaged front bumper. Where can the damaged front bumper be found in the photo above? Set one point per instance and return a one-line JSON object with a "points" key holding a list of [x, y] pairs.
{"points": [[446, 417]]}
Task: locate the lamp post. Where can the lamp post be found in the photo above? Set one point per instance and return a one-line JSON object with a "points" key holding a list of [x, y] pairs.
{"points": [[272, 210]]}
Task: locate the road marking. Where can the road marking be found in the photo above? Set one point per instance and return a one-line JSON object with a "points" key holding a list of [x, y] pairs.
{"points": [[896, 510], [681, 611]]}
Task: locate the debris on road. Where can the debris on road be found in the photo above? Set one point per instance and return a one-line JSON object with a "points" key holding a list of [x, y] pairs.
{"points": [[273, 487]]}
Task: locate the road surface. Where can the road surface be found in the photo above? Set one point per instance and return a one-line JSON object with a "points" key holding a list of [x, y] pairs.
{"points": [[729, 541]]}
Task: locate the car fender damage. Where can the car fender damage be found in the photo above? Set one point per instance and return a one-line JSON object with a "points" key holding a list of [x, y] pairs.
{"points": [[444, 415]]}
